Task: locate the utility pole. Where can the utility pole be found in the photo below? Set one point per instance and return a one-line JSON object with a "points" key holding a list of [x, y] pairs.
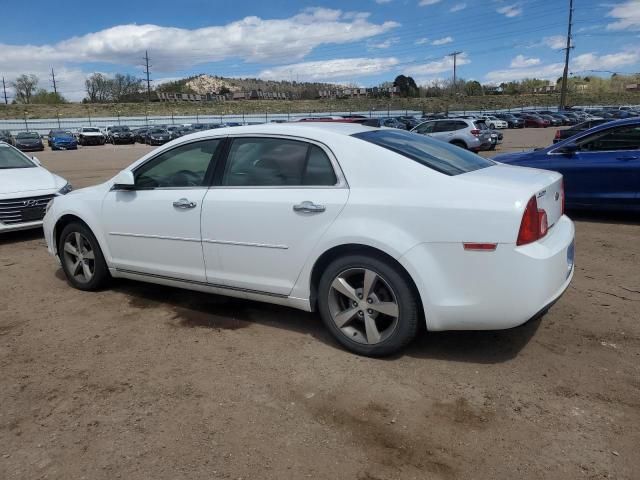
{"points": [[565, 74], [4, 88], [53, 81], [455, 62], [146, 71]]}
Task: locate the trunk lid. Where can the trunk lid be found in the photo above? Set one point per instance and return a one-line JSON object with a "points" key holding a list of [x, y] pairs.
{"points": [[524, 183]]}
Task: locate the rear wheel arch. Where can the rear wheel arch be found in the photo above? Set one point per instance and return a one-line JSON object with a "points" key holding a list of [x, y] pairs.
{"points": [[333, 253], [459, 143]]}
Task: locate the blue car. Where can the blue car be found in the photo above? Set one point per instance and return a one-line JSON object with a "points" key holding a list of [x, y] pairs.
{"points": [[601, 166], [62, 140]]}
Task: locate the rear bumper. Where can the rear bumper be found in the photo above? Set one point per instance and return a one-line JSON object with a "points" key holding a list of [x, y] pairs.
{"points": [[464, 290]]}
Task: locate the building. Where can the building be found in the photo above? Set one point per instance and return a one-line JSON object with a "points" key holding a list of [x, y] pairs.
{"points": [[358, 92]]}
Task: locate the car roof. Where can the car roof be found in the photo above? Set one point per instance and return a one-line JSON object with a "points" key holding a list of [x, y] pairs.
{"points": [[318, 130]]}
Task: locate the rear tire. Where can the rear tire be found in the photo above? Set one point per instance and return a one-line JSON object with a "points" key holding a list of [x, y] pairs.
{"points": [[81, 258], [368, 305]]}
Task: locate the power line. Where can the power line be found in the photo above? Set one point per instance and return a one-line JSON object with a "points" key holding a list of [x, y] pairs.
{"points": [[565, 74], [146, 71]]}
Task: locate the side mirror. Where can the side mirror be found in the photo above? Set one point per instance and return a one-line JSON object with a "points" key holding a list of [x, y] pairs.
{"points": [[124, 181], [569, 149], [36, 161]]}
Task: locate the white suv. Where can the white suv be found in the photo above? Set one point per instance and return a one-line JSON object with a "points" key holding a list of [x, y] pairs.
{"points": [[461, 132], [494, 123]]}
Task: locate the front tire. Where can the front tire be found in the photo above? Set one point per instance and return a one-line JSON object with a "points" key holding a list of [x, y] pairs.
{"points": [[81, 258], [368, 305]]}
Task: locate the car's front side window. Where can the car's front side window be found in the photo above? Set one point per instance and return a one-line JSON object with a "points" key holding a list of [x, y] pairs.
{"points": [[620, 138], [182, 166], [425, 128], [273, 162]]}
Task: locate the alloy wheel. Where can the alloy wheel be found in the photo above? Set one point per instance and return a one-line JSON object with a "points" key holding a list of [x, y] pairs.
{"points": [[363, 306], [79, 257]]}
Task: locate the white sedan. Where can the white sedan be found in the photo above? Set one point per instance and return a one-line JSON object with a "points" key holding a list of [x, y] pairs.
{"points": [[377, 229], [25, 189]]}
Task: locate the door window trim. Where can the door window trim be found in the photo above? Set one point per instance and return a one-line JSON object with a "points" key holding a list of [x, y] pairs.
{"points": [[208, 176], [341, 182]]}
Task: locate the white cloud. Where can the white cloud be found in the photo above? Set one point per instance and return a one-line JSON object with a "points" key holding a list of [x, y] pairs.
{"points": [[592, 61], [251, 39], [424, 3], [385, 43], [627, 16], [422, 41], [458, 7], [555, 42], [438, 66], [510, 10], [520, 61], [442, 41], [329, 70], [586, 61], [543, 72]]}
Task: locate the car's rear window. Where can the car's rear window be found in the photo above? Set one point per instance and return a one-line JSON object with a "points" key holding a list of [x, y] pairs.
{"points": [[435, 154]]}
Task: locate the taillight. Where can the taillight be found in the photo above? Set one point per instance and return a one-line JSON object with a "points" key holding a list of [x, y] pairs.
{"points": [[475, 132], [534, 223], [557, 134]]}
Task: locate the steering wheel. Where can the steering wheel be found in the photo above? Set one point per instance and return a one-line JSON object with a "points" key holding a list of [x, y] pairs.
{"points": [[186, 178]]}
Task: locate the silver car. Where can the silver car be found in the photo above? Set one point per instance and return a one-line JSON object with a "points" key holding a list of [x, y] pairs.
{"points": [[462, 132]]}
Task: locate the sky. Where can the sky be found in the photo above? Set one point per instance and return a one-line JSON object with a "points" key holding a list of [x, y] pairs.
{"points": [[363, 42]]}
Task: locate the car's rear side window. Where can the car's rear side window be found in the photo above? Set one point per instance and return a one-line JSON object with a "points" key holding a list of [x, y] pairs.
{"points": [[437, 155], [273, 162]]}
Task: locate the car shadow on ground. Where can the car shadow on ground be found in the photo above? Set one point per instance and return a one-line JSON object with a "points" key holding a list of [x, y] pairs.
{"points": [[618, 218], [201, 310], [21, 236]]}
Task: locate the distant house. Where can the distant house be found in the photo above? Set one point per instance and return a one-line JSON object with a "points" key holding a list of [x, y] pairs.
{"points": [[493, 90], [632, 87], [549, 88]]}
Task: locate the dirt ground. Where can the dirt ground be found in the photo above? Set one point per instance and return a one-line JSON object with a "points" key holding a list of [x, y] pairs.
{"points": [[146, 382]]}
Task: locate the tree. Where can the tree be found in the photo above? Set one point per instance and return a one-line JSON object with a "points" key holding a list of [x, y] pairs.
{"points": [[48, 98], [473, 88], [406, 86], [24, 87], [97, 88], [223, 90]]}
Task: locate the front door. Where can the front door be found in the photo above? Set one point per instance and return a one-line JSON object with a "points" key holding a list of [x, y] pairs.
{"points": [[275, 200], [605, 171], [155, 227]]}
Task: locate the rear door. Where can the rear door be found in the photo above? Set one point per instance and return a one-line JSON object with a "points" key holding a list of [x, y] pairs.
{"points": [[274, 199], [605, 171]]}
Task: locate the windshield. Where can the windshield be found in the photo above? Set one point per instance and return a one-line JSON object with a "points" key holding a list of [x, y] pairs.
{"points": [[91, 130], [120, 129], [61, 133], [28, 135], [12, 158], [437, 155], [157, 131]]}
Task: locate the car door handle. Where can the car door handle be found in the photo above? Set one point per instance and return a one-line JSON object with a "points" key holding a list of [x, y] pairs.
{"points": [[308, 207], [627, 158], [184, 204]]}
